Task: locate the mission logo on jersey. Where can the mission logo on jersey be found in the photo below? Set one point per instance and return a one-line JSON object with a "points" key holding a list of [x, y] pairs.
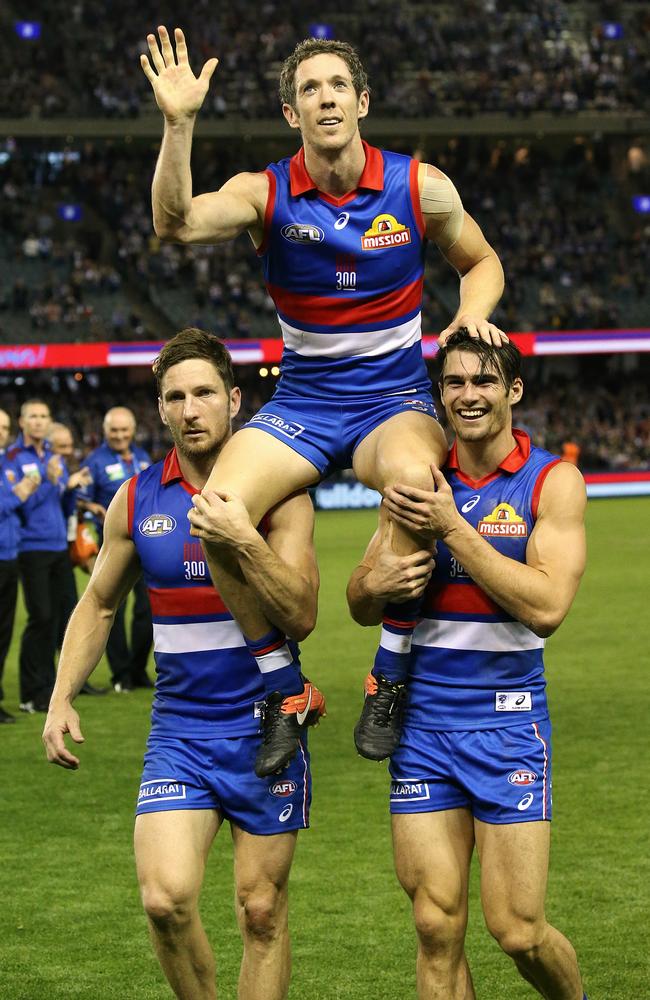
{"points": [[503, 520], [385, 232]]}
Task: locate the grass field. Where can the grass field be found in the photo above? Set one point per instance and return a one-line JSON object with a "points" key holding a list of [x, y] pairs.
{"points": [[71, 924]]}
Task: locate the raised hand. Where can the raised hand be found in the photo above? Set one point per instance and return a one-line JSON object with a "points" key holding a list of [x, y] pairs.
{"points": [[179, 94]]}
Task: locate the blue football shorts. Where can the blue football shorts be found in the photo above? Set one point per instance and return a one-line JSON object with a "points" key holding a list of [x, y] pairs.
{"points": [[218, 774], [327, 431], [500, 775]]}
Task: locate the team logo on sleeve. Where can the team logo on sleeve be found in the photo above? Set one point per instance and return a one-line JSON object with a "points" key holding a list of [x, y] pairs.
{"points": [[503, 520], [157, 524], [385, 232]]}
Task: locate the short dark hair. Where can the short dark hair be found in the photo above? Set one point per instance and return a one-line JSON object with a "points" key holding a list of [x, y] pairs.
{"points": [[191, 344], [315, 47], [506, 360], [34, 401]]}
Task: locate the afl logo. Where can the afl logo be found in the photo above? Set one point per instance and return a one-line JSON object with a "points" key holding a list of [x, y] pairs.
{"points": [[297, 233], [522, 777], [157, 524], [283, 788]]}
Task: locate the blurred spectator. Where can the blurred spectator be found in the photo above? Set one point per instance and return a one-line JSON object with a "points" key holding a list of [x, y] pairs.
{"points": [[42, 555], [15, 489], [110, 465]]}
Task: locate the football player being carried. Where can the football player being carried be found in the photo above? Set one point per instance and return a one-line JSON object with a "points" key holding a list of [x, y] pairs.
{"points": [[340, 229]]}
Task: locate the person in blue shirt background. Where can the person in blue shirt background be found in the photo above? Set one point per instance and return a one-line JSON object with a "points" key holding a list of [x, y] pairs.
{"points": [[14, 491], [42, 552], [62, 443], [113, 462]]}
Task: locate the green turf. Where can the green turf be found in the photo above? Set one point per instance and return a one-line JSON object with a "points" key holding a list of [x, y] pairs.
{"points": [[72, 925]]}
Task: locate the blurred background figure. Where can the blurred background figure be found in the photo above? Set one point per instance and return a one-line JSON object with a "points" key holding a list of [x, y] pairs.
{"points": [[14, 491], [62, 443], [114, 461], [42, 552]]}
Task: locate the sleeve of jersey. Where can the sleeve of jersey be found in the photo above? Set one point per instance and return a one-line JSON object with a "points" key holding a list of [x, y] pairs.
{"points": [[268, 213], [130, 503]]}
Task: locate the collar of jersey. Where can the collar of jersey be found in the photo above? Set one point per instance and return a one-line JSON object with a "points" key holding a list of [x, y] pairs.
{"points": [[171, 473], [513, 462], [372, 177]]}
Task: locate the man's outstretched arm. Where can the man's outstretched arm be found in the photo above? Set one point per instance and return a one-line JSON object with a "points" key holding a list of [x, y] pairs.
{"points": [[116, 570], [463, 244], [177, 215]]}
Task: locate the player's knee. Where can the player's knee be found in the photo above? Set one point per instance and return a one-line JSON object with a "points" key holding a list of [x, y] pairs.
{"points": [[168, 908], [519, 938], [408, 473], [262, 913], [440, 924]]}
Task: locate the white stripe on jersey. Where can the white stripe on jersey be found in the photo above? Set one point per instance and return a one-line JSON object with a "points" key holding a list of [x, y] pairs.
{"points": [[493, 637], [370, 344], [396, 643], [195, 637]]}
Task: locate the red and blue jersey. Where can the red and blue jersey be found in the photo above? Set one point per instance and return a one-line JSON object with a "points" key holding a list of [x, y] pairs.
{"points": [[473, 665], [346, 277], [207, 682]]}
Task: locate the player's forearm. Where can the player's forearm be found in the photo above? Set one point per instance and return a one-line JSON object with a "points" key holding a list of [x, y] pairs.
{"points": [[171, 192], [366, 606], [85, 640], [481, 288], [526, 593], [286, 597]]}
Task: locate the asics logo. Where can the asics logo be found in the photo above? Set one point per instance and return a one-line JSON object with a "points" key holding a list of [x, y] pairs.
{"points": [[301, 716], [342, 220], [285, 814], [523, 804], [472, 502]]}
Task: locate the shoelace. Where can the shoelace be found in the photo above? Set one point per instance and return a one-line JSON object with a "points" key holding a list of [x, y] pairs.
{"points": [[384, 703]]}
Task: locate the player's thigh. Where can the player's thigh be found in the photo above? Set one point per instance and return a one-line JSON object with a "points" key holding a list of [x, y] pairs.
{"points": [[432, 853], [171, 850], [261, 470], [262, 865], [514, 871], [401, 450]]}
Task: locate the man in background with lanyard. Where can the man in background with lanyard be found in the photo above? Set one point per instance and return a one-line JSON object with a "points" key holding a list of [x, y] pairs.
{"points": [[113, 462]]}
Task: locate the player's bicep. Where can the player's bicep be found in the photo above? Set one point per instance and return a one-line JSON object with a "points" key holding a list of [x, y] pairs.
{"points": [[557, 545], [222, 215], [470, 248], [291, 537], [117, 567], [442, 208]]}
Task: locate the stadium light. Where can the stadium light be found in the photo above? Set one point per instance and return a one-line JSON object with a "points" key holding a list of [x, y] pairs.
{"points": [[612, 29], [641, 203], [28, 30], [321, 31], [70, 212]]}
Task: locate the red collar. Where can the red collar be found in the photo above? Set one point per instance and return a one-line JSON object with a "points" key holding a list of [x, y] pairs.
{"points": [[372, 176], [511, 463], [171, 473]]}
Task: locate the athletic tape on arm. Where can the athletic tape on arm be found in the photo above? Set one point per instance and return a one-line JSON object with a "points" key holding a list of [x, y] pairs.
{"points": [[439, 197]]}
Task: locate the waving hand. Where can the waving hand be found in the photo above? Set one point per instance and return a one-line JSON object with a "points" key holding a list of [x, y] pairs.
{"points": [[178, 93]]}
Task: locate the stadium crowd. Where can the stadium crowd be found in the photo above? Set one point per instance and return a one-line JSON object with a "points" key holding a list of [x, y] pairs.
{"points": [[573, 249], [552, 56]]}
